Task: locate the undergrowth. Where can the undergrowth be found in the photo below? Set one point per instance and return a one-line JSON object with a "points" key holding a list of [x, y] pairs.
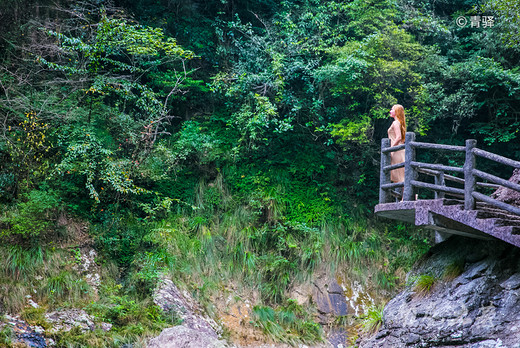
{"points": [[289, 323], [46, 274], [264, 235], [372, 320]]}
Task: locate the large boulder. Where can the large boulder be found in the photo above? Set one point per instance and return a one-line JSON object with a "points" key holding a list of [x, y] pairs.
{"points": [[66, 320], [171, 300], [509, 196], [480, 307], [185, 337]]}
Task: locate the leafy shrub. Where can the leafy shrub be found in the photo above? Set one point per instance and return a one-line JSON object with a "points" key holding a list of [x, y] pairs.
{"points": [[34, 215], [121, 238], [7, 182], [146, 270]]}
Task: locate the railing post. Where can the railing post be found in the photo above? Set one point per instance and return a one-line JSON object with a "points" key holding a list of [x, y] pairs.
{"points": [[469, 178], [384, 177], [439, 180], [409, 172]]}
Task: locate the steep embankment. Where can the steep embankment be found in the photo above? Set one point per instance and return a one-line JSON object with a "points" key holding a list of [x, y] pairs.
{"points": [[473, 301]]}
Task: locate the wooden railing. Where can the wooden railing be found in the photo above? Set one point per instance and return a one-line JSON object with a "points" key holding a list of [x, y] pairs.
{"points": [[412, 168]]}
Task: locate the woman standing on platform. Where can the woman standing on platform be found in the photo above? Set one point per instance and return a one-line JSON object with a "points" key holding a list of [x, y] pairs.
{"points": [[396, 133]]}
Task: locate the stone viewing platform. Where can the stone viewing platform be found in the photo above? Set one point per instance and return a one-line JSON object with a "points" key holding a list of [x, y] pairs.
{"points": [[467, 212]]}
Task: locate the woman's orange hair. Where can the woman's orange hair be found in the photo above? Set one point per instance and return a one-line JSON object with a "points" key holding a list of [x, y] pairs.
{"points": [[399, 115]]}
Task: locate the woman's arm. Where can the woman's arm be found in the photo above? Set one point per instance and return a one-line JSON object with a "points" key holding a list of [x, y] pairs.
{"points": [[397, 129]]}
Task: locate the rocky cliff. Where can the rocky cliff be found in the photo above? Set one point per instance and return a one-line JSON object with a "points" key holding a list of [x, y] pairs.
{"points": [[473, 301]]}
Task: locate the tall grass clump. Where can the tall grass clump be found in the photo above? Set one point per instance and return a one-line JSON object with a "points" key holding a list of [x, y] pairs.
{"points": [[372, 320], [453, 270], [288, 323], [43, 273], [66, 286], [18, 267], [424, 284]]}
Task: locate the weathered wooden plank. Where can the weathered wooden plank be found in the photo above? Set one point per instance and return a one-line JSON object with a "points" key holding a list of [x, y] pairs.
{"points": [[496, 158], [439, 167], [432, 146], [496, 180], [501, 205], [434, 187]]}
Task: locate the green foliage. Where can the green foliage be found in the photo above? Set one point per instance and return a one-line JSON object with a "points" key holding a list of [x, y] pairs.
{"points": [[424, 284], [118, 48], [96, 165], [121, 238], [373, 319], [147, 267], [66, 286], [36, 316], [7, 336], [508, 12], [287, 323], [454, 269], [33, 216], [269, 171], [29, 147]]}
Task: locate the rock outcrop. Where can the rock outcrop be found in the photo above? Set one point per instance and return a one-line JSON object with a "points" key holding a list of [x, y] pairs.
{"points": [[172, 300], [507, 195], [63, 320], [474, 301], [185, 337], [196, 329]]}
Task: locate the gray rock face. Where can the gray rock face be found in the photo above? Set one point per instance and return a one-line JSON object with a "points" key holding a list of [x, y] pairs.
{"points": [[170, 299], [479, 308], [65, 320], [507, 195], [184, 337], [329, 297], [196, 331]]}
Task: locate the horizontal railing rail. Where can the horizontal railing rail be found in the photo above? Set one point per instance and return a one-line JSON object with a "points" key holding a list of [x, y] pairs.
{"points": [[456, 179], [446, 189], [439, 172], [438, 167], [393, 166], [497, 158], [418, 145], [393, 148]]}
